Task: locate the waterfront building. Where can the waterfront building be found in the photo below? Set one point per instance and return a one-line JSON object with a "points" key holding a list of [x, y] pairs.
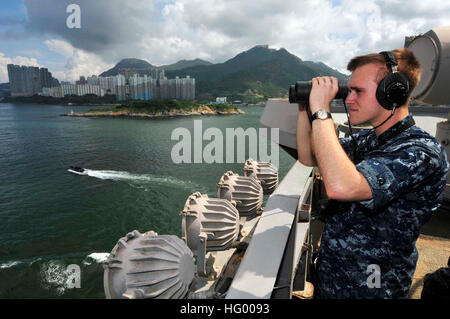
{"points": [[45, 77], [82, 80], [45, 92], [157, 74], [29, 80], [93, 80], [136, 87], [83, 89], [188, 88], [120, 87], [68, 89], [221, 100], [109, 84], [53, 92], [146, 88], [163, 85]]}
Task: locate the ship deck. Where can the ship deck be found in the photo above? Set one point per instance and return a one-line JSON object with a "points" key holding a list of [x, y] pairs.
{"points": [[433, 246]]}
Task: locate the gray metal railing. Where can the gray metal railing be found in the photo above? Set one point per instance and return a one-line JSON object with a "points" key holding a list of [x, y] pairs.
{"points": [[270, 262]]}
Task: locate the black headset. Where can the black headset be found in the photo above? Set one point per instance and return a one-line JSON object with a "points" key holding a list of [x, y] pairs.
{"points": [[393, 89]]}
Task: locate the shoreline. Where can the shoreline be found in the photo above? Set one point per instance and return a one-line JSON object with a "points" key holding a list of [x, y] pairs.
{"points": [[166, 114]]}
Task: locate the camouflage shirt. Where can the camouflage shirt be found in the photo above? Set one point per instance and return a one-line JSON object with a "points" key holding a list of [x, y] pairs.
{"points": [[368, 247]]}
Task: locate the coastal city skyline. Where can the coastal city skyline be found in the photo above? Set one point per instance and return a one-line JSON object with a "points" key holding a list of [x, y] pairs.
{"points": [[128, 84], [34, 33]]}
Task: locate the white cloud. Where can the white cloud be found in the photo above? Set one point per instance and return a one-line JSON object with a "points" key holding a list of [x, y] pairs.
{"points": [[312, 30], [78, 62], [163, 32], [31, 53], [19, 60]]}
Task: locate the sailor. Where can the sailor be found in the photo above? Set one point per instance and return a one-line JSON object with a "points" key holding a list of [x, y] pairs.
{"points": [[384, 183]]}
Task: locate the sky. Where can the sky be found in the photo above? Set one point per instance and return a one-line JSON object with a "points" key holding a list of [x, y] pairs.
{"points": [[35, 32]]}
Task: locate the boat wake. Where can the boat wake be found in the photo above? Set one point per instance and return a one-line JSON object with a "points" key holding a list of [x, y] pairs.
{"points": [[139, 180], [54, 273], [95, 257], [10, 264]]}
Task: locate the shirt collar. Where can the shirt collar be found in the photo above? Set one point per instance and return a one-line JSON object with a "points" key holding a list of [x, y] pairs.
{"points": [[396, 129]]}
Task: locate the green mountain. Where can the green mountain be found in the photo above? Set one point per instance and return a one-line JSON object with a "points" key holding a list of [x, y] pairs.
{"points": [[182, 64], [250, 76], [254, 75], [138, 64], [128, 64]]}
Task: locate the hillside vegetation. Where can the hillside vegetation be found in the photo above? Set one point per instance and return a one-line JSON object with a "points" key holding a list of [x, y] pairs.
{"points": [[251, 76]]}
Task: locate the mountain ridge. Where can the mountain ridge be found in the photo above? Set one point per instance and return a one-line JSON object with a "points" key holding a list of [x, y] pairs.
{"points": [[128, 63], [254, 75], [139, 64], [251, 76], [182, 64]]}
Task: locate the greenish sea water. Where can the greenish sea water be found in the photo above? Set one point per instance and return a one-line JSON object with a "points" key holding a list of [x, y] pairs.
{"points": [[51, 218]]}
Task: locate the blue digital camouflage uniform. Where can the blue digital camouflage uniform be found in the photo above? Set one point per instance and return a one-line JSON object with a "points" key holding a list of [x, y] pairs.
{"points": [[406, 169]]}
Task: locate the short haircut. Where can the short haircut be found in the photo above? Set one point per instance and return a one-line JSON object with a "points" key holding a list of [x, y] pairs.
{"points": [[407, 63]]}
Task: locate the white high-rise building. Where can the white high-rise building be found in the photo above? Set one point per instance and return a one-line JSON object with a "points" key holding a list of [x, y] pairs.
{"points": [[68, 89], [93, 80], [120, 85], [53, 92], [144, 87]]}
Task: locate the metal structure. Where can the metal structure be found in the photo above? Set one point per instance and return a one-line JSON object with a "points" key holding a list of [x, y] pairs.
{"points": [[208, 224], [265, 172], [245, 191], [148, 266], [432, 49], [267, 271]]}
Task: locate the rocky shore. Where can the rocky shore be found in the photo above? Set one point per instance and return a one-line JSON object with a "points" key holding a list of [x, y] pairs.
{"points": [[202, 110]]}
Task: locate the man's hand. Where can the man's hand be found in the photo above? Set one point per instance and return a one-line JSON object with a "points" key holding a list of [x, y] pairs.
{"points": [[323, 91]]}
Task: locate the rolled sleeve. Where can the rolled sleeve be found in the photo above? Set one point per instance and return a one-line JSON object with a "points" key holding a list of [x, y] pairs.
{"points": [[396, 173], [382, 182]]}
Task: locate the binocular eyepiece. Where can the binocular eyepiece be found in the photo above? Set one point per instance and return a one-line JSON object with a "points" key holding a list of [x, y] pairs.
{"points": [[299, 93]]}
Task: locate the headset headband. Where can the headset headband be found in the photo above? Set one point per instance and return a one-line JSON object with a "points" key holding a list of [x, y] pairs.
{"points": [[391, 60]]}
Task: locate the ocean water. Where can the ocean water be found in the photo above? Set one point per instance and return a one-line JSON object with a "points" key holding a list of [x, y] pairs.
{"points": [[51, 218]]}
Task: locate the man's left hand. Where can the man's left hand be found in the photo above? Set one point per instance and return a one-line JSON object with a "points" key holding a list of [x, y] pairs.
{"points": [[323, 91]]}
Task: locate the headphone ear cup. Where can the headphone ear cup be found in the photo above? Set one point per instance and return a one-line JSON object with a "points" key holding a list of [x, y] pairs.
{"points": [[393, 90], [382, 95]]}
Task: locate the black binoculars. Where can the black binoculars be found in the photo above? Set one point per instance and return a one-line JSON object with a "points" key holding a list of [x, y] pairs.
{"points": [[299, 93]]}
